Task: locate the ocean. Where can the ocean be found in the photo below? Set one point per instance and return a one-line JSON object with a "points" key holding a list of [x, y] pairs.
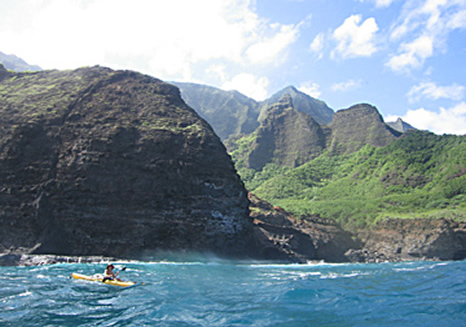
{"points": [[226, 293]]}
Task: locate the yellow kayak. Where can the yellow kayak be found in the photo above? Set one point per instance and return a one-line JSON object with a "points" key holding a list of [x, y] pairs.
{"points": [[99, 278]]}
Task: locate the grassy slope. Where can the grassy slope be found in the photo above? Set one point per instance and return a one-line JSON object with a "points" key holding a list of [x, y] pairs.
{"points": [[419, 175]]}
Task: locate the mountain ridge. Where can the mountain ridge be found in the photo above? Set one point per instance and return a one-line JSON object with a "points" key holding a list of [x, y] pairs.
{"points": [[315, 108], [17, 64], [400, 125], [287, 137], [244, 115], [228, 112]]}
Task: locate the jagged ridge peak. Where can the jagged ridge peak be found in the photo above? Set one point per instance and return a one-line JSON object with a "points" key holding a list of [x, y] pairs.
{"points": [[400, 125], [302, 102], [232, 113]]}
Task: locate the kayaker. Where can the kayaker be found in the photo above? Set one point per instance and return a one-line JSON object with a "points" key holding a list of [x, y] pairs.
{"points": [[109, 274]]}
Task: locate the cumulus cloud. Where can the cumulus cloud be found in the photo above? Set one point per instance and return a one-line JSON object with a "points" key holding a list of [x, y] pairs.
{"points": [[268, 50], [310, 88], [447, 121], [422, 28], [317, 44], [412, 54], [355, 38], [346, 86], [253, 86], [430, 90], [168, 39], [457, 20]]}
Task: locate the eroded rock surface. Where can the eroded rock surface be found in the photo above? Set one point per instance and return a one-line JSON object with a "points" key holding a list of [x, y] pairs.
{"points": [[412, 239], [282, 236], [96, 161]]}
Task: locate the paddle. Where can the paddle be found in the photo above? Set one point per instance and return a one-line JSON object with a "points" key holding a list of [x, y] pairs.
{"points": [[122, 269]]}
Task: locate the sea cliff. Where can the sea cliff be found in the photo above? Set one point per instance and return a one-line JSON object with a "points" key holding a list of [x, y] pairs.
{"points": [[97, 161]]}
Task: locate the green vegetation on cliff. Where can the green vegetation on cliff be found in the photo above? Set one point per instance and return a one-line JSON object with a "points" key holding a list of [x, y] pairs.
{"points": [[417, 175]]}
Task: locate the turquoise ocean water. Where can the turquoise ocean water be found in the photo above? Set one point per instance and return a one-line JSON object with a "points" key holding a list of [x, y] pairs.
{"points": [[224, 293]]}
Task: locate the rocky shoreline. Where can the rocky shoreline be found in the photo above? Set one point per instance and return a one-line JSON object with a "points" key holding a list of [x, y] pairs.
{"points": [[410, 240], [390, 240], [280, 237], [8, 259]]}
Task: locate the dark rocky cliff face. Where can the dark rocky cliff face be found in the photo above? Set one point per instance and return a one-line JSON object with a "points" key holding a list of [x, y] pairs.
{"points": [[357, 126], [96, 161]]}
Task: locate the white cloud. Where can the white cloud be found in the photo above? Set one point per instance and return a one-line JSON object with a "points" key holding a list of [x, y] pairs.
{"points": [[268, 50], [172, 40], [422, 28], [412, 54], [318, 43], [457, 20], [430, 90], [447, 121], [355, 39], [217, 70], [345, 86], [310, 88], [248, 84]]}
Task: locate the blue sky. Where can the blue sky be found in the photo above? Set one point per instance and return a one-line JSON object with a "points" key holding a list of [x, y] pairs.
{"points": [[408, 58]]}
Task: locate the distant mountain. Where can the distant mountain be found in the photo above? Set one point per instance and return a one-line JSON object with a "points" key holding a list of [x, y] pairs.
{"points": [[286, 137], [231, 113], [302, 102], [357, 126], [17, 64], [400, 125], [228, 112]]}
